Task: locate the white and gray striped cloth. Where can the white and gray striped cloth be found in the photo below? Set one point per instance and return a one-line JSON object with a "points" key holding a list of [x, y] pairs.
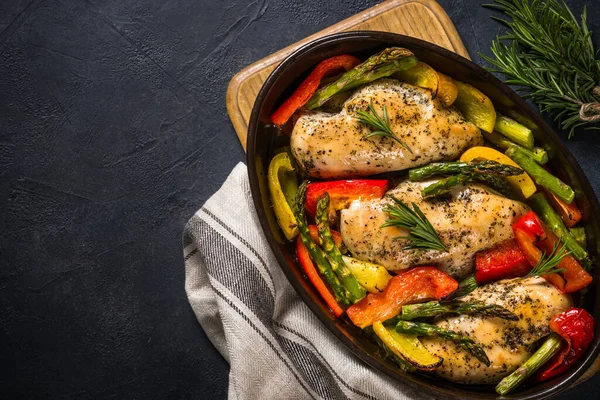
{"points": [[276, 347]]}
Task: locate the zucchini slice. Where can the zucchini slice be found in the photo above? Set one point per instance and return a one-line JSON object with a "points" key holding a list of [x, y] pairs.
{"points": [[408, 347]]}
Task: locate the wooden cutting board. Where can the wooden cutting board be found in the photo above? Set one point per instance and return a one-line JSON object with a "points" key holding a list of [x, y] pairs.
{"points": [[423, 19]]}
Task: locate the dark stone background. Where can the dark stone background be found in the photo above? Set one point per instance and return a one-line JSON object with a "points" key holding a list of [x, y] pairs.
{"points": [[113, 131]]}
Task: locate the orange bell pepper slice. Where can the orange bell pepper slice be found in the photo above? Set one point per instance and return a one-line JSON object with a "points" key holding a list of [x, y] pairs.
{"points": [[526, 241], [413, 286], [569, 213], [315, 278], [527, 234], [576, 278]]}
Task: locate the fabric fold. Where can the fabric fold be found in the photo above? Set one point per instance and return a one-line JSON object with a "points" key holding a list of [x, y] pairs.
{"points": [[275, 346]]}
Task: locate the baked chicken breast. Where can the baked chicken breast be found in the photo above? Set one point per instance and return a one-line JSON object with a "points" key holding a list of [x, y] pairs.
{"points": [[329, 146], [471, 219], [508, 344]]}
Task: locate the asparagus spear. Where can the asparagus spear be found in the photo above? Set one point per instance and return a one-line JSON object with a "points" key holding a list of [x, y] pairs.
{"points": [[542, 207], [538, 154], [444, 185], [340, 293], [355, 291], [495, 182], [435, 308], [550, 347], [465, 168], [380, 65], [487, 172], [514, 131], [541, 176], [578, 233], [465, 287], [421, 329]]}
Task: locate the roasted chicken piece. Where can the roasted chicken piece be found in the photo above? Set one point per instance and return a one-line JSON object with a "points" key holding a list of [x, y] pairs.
{"points": [[508, 344], [471, 219], [331, 146]]}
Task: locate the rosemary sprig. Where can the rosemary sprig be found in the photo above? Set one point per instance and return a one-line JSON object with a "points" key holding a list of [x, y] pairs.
{"points": [[550, 56], [548, 262], [422, 233], [380, 124]]}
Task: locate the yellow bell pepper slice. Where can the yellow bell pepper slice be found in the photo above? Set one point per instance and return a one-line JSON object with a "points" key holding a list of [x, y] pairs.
{"points": [[281, 181], [407, 347], [374, 278], [421, 75], [521, 183], [447, 89], [475, 106]]}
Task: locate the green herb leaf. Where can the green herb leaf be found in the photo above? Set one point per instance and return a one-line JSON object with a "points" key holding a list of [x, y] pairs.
{"points": [[380, 124], [422, 233], [548, 263]]}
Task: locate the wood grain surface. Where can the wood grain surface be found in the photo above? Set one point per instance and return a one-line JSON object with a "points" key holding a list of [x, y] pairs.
{"points": [[423, 19]]}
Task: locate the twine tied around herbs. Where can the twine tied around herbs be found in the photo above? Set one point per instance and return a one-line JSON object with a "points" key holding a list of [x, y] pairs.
{"points": [[590, 112]]}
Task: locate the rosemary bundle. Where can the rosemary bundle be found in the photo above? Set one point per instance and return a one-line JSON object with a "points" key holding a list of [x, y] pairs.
{"points": [[550, 57]]}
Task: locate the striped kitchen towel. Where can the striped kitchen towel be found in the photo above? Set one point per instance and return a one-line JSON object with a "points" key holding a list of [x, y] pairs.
{"points": [[275, 346]]}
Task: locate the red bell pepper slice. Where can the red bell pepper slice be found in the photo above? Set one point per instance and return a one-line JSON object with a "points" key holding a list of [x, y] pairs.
{"points": [[576, 326], [310, 85], [314, 234], [342, 193], [413, 286], [530, 223], [532, 235], [504, 261], [315, 279]]}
